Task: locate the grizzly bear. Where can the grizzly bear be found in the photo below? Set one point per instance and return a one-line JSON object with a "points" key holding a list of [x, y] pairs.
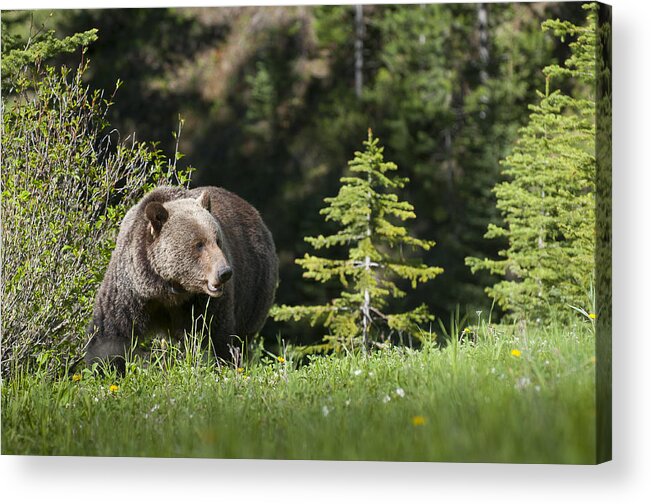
{"points": [[181, 254]]}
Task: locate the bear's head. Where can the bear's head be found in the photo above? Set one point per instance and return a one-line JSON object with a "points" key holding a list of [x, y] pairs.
{"points": [[186, 246]]}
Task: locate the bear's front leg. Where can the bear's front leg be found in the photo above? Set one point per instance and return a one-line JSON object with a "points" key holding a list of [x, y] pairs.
{"points": [[111, 338], [109, 349], [226, 343]]}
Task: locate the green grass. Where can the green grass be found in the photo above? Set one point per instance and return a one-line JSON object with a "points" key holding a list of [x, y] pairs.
{"points": [[464, 402]]}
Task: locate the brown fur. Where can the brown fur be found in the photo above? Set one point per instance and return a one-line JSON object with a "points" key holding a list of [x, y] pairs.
{"points": [[172, 260]]}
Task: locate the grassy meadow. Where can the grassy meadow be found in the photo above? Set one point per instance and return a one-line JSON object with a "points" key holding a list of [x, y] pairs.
{"points": [[498, 394]]}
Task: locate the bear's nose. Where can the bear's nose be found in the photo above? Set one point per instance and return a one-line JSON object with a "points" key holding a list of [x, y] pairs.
{"points": [[225, 274]]}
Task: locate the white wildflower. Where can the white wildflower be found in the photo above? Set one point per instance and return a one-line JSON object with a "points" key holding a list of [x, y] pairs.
{"points": [[522, 382]]}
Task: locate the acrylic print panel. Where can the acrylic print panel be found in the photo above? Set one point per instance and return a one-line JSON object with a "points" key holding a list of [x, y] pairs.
{"points": [[352, 232]]}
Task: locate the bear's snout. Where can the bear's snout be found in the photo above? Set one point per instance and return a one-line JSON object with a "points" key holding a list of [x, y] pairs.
{"points": [[216, 284], [225, 274]]}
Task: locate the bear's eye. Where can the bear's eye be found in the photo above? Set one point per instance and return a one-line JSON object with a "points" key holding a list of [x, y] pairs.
{"points": [[199, 246]]}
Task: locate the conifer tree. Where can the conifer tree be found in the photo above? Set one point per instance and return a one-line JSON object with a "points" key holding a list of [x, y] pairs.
{"points": [[20, 58], [548, 200], [368, 213]]}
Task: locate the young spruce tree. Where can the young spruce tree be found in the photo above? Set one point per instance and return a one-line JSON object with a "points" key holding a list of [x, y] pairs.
{"points": [[367, 211], [548, 202]]}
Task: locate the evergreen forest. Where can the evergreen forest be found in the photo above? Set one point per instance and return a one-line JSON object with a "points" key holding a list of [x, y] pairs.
{"points": [[273, 103]]}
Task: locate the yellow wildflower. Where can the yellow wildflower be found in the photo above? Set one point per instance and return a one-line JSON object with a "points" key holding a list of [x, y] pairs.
{"points": [[592, 315], [418, 420], [113, 389], [76, 377], [516, 353], [281, 359], [208, 436], [240, 369]]}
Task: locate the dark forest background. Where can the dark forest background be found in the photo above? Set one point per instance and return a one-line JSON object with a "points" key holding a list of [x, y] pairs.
{"points": [[275, 100]]}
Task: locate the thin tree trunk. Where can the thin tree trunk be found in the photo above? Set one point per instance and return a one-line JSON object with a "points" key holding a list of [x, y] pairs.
{"points": [[421, 36], [366, 306], [359, 49], [484, 52]]}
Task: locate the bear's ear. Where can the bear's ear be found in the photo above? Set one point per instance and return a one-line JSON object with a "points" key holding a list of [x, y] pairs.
{"points": [[157, 216], [204, 200]]}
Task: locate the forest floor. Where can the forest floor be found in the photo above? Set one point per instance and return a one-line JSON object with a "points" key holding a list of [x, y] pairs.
{"points": [[502, 394]]}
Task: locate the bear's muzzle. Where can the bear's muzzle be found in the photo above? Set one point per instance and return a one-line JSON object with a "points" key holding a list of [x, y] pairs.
{"points": [[216, 287]]}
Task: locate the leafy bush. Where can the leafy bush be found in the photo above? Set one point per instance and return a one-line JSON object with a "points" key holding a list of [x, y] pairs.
{"points": [[67, 181]]}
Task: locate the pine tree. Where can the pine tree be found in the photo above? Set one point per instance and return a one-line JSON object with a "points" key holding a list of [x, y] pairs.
{"points": [[548, 202], [366, 210], [20, 58]]}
